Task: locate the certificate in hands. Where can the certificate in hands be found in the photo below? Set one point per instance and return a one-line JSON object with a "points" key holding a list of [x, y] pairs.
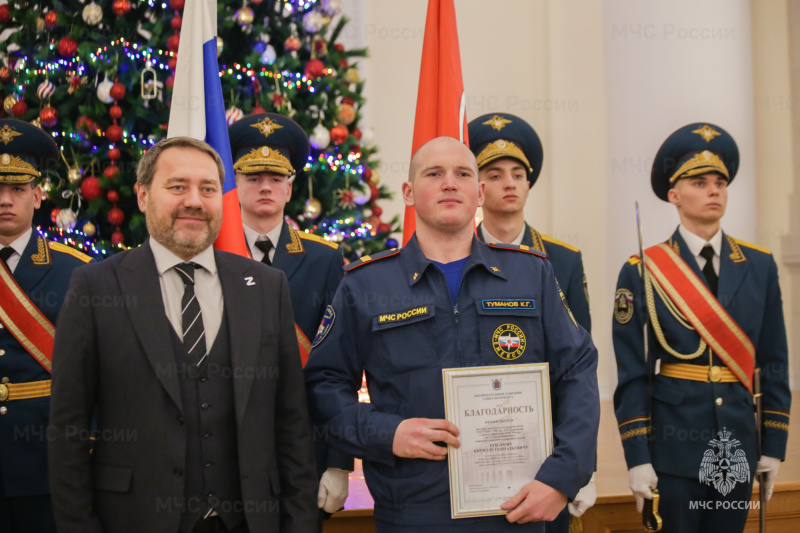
{"points": [[504, 420]]}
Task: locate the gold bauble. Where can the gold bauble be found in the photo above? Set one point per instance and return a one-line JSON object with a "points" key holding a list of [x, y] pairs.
{"points": [[74, 174], [351, 76], [89, 229], [312, 209], [375, 178], [245, 15], [220, 45], [39, 24], [9, 102], [47, 185]]}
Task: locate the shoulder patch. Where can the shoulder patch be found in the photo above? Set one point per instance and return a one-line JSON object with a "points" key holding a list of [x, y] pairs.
{"points": [[520, 248], [317, 238], [370, 258], [548, 238], [752, 246], [63, 248]]}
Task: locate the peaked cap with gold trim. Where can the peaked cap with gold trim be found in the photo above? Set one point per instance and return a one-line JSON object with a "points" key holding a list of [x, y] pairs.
{"points": [[695, 149], [497, 135], [24, 150], [268, 142]]}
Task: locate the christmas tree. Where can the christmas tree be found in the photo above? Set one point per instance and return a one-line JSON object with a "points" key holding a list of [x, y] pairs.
{"points": [[98, 77]]}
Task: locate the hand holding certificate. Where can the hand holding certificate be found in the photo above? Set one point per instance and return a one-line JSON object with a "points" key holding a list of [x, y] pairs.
{"points": [[505, 431]]}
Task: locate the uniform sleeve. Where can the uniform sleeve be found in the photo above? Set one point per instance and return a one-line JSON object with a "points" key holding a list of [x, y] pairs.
{"points": [[631, 396], [73, 397], [574, 395], [576, 296], [772, 358], [333, 378]]}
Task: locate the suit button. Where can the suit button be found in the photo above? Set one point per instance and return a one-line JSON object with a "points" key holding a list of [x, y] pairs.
{"points": [[719, 401], [178, 472], [3, 410], [204, 406]]}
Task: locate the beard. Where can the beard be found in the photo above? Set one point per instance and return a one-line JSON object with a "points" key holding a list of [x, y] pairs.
{"points": [[183, 242]]}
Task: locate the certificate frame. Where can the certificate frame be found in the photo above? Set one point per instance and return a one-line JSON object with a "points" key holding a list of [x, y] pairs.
{"points": [[505, 430]]}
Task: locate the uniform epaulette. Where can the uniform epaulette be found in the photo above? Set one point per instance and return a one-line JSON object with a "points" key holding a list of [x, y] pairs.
{"points": [[317, 238], [371, 258], [518, 248], [634, 260], [63, 248], [552, 240], [753, 246]]}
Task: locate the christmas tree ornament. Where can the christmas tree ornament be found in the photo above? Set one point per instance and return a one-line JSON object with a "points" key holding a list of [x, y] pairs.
{"points": [[37, 122], [111, 172], [116, 216], [67, 46], [172, 63], [104, 91], [66, 218], [376, 178], [39, 24], [117, 91], [121, 7], [357, 133], [5, 74], [73, 174], [92, 14], [383, 227], [48, 116], [45, 90], [169, 82], [233, 114], [76, 82], [5, 13], [376, 211], [114, 154], [375, 192], [177, 5], [332, 7], [257, 110], [9, 101], [360, 196], [314, 68], [339, 47], [312, 208], [176, 23], [320, 137], [391, 243], [90, 188], [269, 56], [245, 16], [278, 100], [351, 76], [367, 174], [174, 42], [339, 134], [346, 198], [113, 133], [256, 2], [313, 21], [51, 20], [89, 229], [347, 114], [148, 83], [20, 108], [368, 137], [86, 125], [117, 237], [47, 185], [319, 46], [220, 46], [292, 44], [54, 214]]}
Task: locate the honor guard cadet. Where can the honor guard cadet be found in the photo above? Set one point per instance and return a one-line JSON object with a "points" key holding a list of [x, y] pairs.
{"points": [[35, 275], [269, 150], [448, 300], [510, 156], [713, 308]]}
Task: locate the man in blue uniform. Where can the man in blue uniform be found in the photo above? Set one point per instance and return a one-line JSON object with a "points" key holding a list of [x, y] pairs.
{"points": [[33, 272], [713, 305], [510, 155], [437, 293], [269, 149]]}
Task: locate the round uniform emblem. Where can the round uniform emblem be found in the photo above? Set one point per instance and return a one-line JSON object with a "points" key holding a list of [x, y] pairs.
{"points": [[500, 144], [508, 342], [623, 306], [6, 159], [265, 151]]}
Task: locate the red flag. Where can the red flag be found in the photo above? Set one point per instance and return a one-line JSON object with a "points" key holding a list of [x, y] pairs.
{"points": [[441, 107]]}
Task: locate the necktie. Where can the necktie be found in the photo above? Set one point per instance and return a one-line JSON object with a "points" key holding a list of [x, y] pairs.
{"points": [[708, 270], [5, 253], [194, 334], [265, 246]]}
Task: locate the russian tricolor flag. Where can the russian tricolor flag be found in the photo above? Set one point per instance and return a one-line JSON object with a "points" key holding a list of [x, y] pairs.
{"points": [[198, 110]]}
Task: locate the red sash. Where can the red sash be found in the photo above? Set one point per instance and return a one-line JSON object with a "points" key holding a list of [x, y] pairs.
{"points": [[703, 311], [25, 321]]}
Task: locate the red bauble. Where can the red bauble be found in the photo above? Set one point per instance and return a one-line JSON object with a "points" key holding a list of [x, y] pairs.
{"points": [[177, 5], [357, 135], [314, 68], [19, 109], [176, 22], [339, 134], [173, 42], [348, 101], [67, 46], [5, 13], [339, 47], [113, 197], [116, 216], [111, 172], [48, 116], [115, 111], [54, 214], [374, 192], [172, 63], [117, 91], [90, 188], [117, 237], [51, 20], [5, 74], [114, 133], [368, 174], [86, 125], [121, 7], [383, 227], [377, 211], [170, 82], [256, 2], [343, 63], [113, 154], [257, 110]]}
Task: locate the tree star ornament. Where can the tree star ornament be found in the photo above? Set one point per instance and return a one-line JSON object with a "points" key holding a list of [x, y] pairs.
{"points": [[346, 198]]}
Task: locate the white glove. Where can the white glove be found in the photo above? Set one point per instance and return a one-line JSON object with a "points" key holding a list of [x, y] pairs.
{"points": [[585, 499], [768, 466], [333, 490], [643, 479]]}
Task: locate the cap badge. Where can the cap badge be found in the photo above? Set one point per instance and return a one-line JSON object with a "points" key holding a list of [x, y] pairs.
{"points": [[7, 134], [497, 122], [707, 132], [266, 126], [265, 151]]}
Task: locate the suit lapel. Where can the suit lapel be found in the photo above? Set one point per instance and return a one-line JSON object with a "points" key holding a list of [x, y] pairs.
{"points": [[34, 263], [679, 245], [289, 263], [137, 275], [242, 309], [733, 267]]}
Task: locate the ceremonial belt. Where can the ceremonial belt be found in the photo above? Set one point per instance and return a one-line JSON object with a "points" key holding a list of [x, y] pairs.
{"points": [[25, 321], [705, 313], [708, 374], [24, 391]]}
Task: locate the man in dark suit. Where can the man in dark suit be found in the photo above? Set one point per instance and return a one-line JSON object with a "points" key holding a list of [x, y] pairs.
{"points": [[715, 315], [34, 273], [187, 358], [268, 150]]}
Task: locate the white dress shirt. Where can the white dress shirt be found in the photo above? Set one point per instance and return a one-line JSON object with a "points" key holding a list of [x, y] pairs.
{"points": [[18, 246], [253, 236], [696, 245], [488, 237]]}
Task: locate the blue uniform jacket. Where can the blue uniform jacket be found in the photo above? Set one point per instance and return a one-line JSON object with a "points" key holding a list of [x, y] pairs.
{"points": [[43, 272], [404, 358], [567, 263], [688, 414]]}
